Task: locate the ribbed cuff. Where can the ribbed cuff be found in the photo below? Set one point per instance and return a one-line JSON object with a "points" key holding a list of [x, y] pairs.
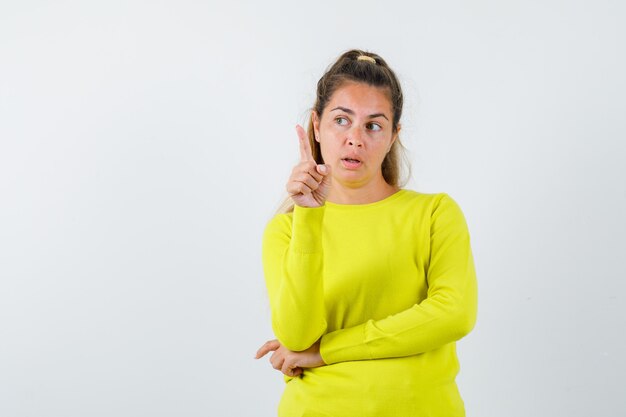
{"points": [[344, 345], [307, 228]]}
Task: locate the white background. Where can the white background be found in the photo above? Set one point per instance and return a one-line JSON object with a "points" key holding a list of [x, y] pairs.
{"points": [[144, 145]]}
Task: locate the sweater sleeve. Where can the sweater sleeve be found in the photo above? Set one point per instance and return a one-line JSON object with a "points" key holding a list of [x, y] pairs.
{"points": [[292, 264], [447, 313]]}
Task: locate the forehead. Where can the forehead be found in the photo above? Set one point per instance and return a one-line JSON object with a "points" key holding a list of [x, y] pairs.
{"points": [[361, 98]]}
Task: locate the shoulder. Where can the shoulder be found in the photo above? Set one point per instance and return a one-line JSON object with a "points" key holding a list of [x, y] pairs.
{"points": [[439, 206], [446, 214], [427, 201], [414, 195]]}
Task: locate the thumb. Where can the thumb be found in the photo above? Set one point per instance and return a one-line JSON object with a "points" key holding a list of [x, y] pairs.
{"points": [[323, 169]]}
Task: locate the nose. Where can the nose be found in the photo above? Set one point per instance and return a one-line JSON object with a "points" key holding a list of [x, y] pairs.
{"points": [[354, 138]]}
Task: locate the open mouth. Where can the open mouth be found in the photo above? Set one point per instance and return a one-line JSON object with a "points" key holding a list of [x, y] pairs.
{"points": [[350, 163]]}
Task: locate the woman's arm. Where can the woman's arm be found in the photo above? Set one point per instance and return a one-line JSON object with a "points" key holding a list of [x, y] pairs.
{"points": [[446, 315], [292, 263]]}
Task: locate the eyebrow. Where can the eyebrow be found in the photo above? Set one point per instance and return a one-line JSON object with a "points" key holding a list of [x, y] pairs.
{"points": [[371, 116]]}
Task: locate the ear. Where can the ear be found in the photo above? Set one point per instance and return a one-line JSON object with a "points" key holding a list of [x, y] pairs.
{"points": [[316, 124], [394, 137]]}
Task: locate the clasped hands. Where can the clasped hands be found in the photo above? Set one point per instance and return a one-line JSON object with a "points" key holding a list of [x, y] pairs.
{"points": [[289, 362]]}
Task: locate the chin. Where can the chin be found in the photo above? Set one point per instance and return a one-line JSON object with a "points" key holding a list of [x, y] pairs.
{"points": [[353, 181]]}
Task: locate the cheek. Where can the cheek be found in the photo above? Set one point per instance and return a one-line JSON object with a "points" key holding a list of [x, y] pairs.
{"points": [[325, 148], [329, 147], [381, 151]]}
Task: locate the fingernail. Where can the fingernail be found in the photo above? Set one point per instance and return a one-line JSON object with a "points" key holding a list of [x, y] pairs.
{"points": [[323, 169]]}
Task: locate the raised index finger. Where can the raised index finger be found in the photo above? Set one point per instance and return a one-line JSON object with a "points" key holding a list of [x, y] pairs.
{"points": [[305, 147]]}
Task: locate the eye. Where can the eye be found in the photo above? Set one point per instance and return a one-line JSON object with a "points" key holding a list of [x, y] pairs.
{"points": [[341, 121], [373, 126]]}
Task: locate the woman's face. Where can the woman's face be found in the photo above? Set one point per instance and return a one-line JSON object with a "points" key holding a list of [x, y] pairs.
{"points": [[355, 132]]}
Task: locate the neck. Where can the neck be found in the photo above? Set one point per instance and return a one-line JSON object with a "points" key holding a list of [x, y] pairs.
{"points": [[364, 194]]}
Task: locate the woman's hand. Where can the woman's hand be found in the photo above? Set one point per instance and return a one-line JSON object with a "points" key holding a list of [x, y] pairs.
{"points": [[309, 183], [288, 362]]}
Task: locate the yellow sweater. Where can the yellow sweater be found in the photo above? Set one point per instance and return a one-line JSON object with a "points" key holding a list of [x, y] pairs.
{"points": [[389, 287]]}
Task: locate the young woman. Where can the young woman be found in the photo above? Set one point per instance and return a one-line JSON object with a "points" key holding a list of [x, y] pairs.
{"points": [[370, 285]]}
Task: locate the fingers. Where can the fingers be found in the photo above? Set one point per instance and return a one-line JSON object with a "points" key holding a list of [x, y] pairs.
{"points": [[302, 184], [280, 359], [289, 368], [309, 183], [309, 168], [305, 178], [267, 347], [305, 147], [290, 365]]}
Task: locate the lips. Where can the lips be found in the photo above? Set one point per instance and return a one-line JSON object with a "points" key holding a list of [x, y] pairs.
{"points": [[351, 158], [351, 162]]}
